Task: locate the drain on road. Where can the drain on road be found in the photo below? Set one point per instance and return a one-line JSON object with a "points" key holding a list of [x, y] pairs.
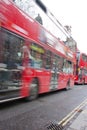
{"points": [[54, 126]]}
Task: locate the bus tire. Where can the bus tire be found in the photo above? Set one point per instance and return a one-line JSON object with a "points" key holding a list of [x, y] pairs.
{"points": [[33, 90]]}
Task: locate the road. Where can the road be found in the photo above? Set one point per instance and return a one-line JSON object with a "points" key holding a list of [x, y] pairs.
{"points": [[37, 115]]}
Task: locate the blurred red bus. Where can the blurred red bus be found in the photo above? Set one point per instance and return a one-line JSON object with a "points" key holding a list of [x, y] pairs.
{"points": [[32, 60], [81, 68]]}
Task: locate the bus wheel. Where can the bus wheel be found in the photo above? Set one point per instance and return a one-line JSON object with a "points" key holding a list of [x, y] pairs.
{"points": [[33, 90]]}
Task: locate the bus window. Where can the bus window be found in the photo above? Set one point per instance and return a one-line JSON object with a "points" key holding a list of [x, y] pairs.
{"points": [[54, 63], [11, 50], [36, 56], [57, 63], [67, 67], [60, 63], [48, 60]]}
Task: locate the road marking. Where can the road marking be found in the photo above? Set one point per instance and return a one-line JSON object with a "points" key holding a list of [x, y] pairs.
{"points": [[66, 119]]}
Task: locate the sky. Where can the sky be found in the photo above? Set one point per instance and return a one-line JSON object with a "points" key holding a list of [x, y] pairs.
{"points": [[72, 13]]}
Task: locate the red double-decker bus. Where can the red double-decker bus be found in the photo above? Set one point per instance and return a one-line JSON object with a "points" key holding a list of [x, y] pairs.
{"points": [[81, 68], [32, 59]]}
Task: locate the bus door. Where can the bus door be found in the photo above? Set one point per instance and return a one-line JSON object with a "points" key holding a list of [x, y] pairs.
{"points": [[10, 65], [85, 76], [67, 73], [55, 72], [61, 75], [80, 75]]}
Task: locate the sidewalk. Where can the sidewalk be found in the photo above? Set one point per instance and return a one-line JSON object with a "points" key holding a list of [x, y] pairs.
{"points": [[80, 123]]}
